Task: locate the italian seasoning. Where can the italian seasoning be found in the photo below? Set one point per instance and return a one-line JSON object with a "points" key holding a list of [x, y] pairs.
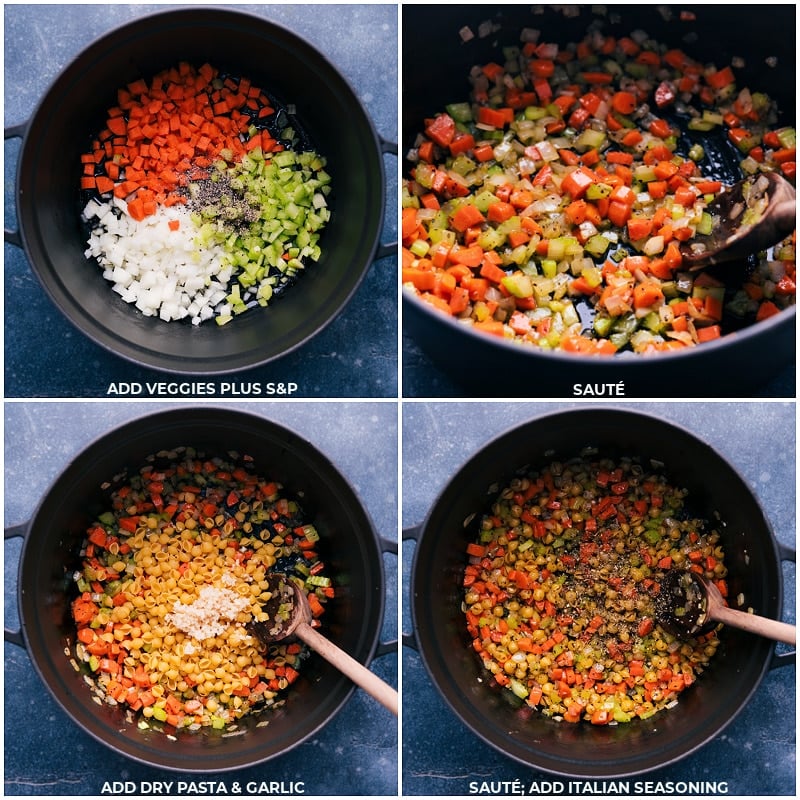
{"points": [[560, 588]]}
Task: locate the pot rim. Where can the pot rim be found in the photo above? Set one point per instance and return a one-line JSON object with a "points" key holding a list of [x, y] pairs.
{"points": [[469, 715], [779, 324]]}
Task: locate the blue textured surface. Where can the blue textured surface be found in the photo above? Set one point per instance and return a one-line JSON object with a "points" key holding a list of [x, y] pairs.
{"points": [[355, 754], [756, 753], [355, 356]]}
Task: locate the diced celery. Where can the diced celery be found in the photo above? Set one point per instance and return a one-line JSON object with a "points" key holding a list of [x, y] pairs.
{"points": [[699, 124], [535, 112], [696, 152], [483, 200], [596, 245], [563, 246], [644, 173], [714, 117], [669, 288], [463, 165], [620, 715], [491, 239], [619, 340], [602, 325], [570, 315], [510, 225], [653, 322], [311, 533], [518, 285], [597, 191], [701, 292], [706, 224], [419, 248], [590, 139], [460, 112], [592, 275], [549, 268], [787, 137], [519, 255]]}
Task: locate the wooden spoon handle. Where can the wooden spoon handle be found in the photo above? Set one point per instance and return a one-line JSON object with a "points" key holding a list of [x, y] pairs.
{"points": [[772, 629], [346, 664]]}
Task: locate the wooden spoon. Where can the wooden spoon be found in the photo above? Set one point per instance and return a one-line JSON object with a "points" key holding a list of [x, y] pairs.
{"points": [[688, 604], [290, 615], [750, 216]]}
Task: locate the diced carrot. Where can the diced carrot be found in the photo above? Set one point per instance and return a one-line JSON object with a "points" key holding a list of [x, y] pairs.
{"points": [[104, 185], [619, 157], [409, 222], [576, 183], [492, 272], [624, 102], [495, 117], [500, 211], [466, 216], [491, 326], [647, 294], [720, 78], [516, 238], [766, 309], [639, 228], [709, 332], [136, 209]]}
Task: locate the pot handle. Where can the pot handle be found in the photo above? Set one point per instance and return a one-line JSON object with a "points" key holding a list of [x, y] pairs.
{"points": [[390, 647], [14, 132], [411, 534], [15, 532], [389, 249], [786, 553], [388, 545]]}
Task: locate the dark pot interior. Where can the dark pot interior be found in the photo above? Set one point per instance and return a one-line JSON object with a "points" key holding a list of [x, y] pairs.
{"points": [[733, 366], [584, 750], [349, 547], [73, 110]]}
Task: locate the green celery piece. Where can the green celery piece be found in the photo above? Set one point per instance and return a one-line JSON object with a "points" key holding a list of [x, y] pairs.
{"points": [[787, 137], [460, 112], [602, 325], [518, 285], [596, 245]]}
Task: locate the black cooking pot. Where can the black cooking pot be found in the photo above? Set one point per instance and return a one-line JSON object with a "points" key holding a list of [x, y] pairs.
{"points": [[735, 365], [716, 491], [349, 547], [73, 110]]}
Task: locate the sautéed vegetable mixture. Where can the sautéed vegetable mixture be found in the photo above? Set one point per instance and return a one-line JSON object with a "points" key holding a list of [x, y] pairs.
{"points": [[560, 586], [549, 208]]}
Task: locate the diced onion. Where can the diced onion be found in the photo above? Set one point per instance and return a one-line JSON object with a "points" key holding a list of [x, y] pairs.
{"points": [[161, 271]]}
